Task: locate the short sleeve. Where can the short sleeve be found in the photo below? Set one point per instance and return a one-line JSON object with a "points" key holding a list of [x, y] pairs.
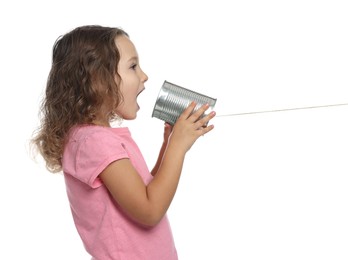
{"points": [[95, 152]]}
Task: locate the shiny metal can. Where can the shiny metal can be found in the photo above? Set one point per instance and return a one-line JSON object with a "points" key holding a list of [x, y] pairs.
{"points": [[172, 100]]}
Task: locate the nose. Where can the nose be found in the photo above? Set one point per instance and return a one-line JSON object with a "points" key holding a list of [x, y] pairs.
{"points": [[144, 77]]}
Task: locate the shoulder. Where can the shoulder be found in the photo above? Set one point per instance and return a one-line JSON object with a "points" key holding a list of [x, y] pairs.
{"points": [[89, 141], [83, 132], [89, 133], [89, 149]]}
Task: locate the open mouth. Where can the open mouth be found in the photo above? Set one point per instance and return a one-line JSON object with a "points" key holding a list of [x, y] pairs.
{"points": [[140, 91], [138, 96]]}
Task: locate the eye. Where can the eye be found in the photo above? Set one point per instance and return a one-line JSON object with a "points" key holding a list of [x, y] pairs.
{"points": [[133, 67]]}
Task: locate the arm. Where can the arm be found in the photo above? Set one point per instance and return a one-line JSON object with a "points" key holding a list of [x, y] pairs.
{"points": [[167, 131], [148, 204]]}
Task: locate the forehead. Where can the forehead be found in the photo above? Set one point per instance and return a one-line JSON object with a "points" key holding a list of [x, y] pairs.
{"points": [[126, 47]]}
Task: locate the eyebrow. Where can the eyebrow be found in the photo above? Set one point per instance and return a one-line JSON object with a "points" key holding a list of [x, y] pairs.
{"points": [[133, 58]]}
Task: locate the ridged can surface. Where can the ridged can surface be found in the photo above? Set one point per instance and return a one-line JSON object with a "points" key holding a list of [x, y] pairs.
{"points": [[172, 100]]}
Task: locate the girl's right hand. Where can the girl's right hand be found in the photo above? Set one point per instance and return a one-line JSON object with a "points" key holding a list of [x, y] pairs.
{"points": [[189, 127]]}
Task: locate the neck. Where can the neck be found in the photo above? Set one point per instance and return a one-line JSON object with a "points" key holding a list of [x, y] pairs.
{"points": [[101, 123]]}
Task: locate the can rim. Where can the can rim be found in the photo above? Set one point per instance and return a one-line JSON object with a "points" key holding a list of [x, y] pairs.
{"points": [[161, 94]]}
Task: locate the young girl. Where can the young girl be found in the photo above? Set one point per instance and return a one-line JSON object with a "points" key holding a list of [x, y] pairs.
{"points": [[118, 205]]}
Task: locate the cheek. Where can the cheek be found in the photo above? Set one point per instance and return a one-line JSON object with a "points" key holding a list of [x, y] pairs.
{"points": [[132, 93], [129, 89]]}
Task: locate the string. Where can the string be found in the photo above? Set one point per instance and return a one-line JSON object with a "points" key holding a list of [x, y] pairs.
{"points": [[281, 110]]}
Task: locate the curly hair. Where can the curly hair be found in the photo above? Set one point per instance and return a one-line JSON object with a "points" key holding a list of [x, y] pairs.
{"points": [[82, 79]]}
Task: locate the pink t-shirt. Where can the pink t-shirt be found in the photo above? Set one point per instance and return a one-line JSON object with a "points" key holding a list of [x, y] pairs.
{"points": [[106, 231]]}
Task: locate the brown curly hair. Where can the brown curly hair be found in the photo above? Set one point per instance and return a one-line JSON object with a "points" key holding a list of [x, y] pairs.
{"points": [[82, 78]]}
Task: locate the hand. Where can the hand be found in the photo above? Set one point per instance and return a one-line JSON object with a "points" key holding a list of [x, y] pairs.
{"points": [[167, 131], [190, 126]]}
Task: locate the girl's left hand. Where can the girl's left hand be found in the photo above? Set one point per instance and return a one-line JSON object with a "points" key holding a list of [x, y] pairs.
{"points": [[167, 131]]}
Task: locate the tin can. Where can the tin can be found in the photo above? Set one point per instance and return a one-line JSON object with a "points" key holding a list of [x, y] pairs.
{"points": [[172, 100]]}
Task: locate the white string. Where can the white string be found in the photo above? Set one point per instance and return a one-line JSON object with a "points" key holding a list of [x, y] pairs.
{"points": [[282, 110]]}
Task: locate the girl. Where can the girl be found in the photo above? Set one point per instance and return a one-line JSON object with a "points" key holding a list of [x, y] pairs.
{"points": [[118, 205]]}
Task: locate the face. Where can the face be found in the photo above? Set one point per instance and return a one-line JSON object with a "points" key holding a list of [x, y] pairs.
{"points": [[132, 78]]}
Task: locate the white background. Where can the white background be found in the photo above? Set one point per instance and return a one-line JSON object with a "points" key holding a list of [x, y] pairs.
{"points": [[264, 186]]}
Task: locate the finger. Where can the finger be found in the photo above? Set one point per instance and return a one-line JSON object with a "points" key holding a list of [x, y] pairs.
{"points": [[204, 120], [168, 127], [188, 111], [206, 129], [198, 114], [203, 130]]}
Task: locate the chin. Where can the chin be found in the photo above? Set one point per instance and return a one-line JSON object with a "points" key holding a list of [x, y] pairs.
{"points": [[130, 117]]}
